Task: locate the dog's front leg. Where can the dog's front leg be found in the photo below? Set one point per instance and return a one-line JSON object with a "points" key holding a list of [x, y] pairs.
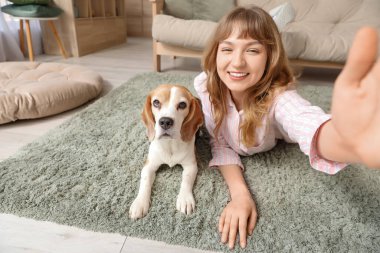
{"points": [[140, 205], [185, 200]]}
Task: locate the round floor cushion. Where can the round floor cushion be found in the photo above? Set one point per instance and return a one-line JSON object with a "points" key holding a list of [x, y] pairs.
{"points": [[32, 90]]}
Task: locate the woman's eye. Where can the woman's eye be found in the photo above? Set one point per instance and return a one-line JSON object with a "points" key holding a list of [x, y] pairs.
{"points": [[255, 51], [182, 105], [226, 50], [156, 103]]}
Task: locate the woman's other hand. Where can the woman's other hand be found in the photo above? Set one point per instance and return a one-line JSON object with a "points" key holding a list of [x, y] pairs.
{"points": [[356, 99], [239, 216]]}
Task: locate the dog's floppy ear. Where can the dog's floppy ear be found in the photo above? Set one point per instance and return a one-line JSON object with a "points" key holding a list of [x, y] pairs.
{"points": [[148, 118], [192, 121]]}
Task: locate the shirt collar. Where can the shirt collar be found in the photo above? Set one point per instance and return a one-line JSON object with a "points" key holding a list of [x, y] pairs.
{"points": [[230, 103]]}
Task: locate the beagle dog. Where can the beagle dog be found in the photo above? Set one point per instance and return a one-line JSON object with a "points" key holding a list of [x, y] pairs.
{"points": [[172, 116]]}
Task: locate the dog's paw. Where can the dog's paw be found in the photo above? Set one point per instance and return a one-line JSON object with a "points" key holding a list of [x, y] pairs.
{"points": [[139, 208], [185, 202]]}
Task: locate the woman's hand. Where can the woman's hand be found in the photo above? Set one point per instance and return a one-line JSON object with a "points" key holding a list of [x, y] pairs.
{"points": [[239, 216], [356, 99]]}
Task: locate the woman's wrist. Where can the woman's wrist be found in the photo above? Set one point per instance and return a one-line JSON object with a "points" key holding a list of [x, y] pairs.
{"points": [[331, 146], [240, 192]]}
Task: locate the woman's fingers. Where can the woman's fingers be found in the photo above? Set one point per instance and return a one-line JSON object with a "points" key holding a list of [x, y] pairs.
{"points": [[221, 221], [233, 232], [226, 229], [243, 232], [362, 56], [252, 222]]}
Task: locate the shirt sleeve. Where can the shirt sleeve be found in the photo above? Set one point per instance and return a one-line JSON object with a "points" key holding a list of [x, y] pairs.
{"points": [[298, 121], [222, 153]]}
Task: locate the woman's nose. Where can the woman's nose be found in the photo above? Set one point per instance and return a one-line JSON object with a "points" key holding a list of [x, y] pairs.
{"points": [[238, 59]]}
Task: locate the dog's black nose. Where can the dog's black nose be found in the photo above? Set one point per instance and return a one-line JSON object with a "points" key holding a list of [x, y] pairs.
{"points": [[166, 123]]}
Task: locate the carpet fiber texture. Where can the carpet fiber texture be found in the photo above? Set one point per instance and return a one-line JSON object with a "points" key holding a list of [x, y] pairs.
{"points": [[86, 173]]}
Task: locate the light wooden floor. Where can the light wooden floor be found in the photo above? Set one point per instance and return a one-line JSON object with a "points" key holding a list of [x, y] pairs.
{"points": [[116, 65]]}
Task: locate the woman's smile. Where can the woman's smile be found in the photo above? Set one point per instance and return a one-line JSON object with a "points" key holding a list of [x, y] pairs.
{"points": [[236, 76]]}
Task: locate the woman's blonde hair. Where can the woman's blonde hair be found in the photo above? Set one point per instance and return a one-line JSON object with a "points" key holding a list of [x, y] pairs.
{"points": [[253, 22]]}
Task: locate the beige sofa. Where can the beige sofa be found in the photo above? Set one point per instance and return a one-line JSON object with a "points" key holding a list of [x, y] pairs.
{"points": [[319, 36]]}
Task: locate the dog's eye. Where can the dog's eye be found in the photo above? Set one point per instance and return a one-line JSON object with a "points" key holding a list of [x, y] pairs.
{"points": [[156, 103], [182, 105]]}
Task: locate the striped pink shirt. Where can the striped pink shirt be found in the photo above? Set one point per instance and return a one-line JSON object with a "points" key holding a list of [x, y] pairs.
{"points": [[291, 118]]}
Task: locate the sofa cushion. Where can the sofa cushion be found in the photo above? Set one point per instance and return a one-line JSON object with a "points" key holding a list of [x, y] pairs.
{"points": [[282, 15], [198, 9], [211, 9], [179, 8], [294, 43], [33, 90], [193, 34]]}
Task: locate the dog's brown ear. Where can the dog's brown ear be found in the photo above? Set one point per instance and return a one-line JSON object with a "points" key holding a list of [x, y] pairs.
{"points": [[148, 118], [192, 121]]}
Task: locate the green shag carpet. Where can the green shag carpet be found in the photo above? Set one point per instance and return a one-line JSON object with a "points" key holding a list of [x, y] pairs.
{"points": [[86, 173]]}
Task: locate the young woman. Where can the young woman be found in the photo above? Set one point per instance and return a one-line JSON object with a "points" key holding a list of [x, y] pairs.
{"points": [[249, 102]]}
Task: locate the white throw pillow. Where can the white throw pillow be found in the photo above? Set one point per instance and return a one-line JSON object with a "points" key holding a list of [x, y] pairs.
{"points": [[282, 15]]}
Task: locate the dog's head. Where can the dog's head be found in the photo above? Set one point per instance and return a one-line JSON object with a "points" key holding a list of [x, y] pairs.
{"points": [[171, 111]]}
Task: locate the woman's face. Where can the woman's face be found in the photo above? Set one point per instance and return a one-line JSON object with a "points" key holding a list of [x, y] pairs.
{"points": [[240, 63]]}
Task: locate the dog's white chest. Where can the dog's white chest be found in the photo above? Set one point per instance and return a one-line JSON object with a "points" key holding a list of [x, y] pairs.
{"points": [[170, 151]]}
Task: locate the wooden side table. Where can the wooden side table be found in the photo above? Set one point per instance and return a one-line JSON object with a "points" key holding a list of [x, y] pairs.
{"points": [[29, 36]]}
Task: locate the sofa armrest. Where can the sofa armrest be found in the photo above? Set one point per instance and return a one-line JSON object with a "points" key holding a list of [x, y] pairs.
{"points": [[157, 6]]}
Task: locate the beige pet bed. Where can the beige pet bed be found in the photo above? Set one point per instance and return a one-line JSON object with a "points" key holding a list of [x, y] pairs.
{"points": [[32, 90]]}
